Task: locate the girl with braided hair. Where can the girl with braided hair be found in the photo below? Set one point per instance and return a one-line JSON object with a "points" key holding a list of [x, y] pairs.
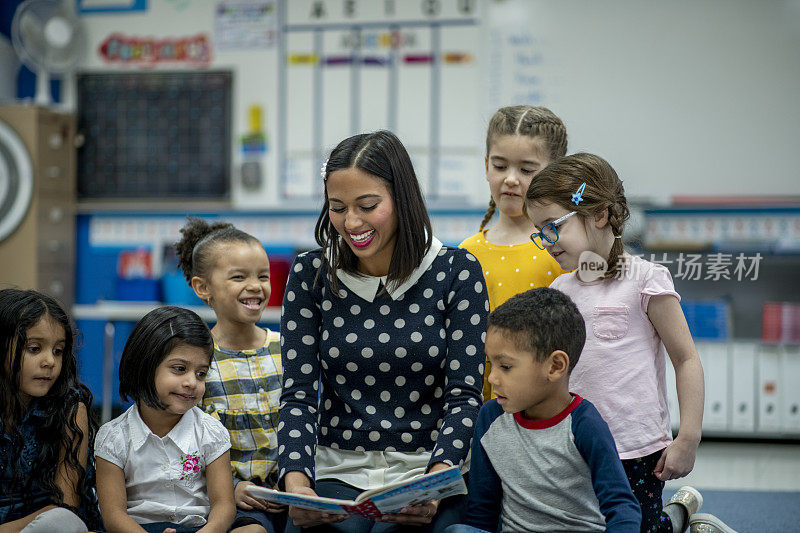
{"points": [[633, 319], [521, 140]]}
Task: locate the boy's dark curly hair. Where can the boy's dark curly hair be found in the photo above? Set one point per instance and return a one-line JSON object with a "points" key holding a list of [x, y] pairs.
{"points": [[541, 321]]}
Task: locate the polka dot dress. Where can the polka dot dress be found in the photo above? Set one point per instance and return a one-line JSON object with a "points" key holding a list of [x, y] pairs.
{"points": [[395, 375]]}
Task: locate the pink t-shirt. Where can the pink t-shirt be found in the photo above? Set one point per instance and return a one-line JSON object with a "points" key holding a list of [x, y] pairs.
{"points": [[622, 367]]}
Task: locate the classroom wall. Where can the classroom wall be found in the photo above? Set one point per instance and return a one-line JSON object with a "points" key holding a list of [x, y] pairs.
{"points": [[683, 97], [312, 104], [253, 70]]}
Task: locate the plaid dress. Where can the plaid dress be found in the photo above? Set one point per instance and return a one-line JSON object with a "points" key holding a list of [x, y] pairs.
{"points": [[243, 391]]}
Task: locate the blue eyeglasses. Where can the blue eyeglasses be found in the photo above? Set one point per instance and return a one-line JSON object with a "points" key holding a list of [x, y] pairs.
{"points": [[549, 232]]}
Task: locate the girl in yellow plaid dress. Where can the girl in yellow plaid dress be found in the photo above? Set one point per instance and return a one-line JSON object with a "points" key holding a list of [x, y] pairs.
{"points": [[229, 270]]}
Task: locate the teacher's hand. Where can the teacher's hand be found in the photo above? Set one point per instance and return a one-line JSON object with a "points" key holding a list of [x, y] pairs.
{"points": [[309, 518], [298, 483], [413, 515], [418, 514]]}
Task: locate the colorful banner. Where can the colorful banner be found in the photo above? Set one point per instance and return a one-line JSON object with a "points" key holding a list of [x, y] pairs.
{"points": [[149, 51]]}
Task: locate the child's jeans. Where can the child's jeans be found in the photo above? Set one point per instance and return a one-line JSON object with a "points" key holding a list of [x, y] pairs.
{"points": [[460, 528], [271, 522]]}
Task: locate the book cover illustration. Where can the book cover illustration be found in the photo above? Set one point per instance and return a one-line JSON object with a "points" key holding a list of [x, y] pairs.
{"points": [[373, 503]]}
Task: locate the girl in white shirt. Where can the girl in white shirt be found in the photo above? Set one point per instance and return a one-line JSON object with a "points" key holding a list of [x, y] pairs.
{"points": [[164, 466]]}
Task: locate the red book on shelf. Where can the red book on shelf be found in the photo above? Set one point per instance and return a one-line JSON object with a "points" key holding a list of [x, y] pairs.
{"points": [[772, 322], [278, 276], [791, 322]]}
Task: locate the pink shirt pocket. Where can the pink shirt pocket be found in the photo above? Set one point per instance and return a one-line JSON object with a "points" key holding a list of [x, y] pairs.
{"points": [[610, 322]]}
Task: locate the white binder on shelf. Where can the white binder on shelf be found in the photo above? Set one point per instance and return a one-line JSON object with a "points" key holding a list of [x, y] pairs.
{"points": [[672, 398], [790, 389], [743, 386], [714, 356], [769, 389]]}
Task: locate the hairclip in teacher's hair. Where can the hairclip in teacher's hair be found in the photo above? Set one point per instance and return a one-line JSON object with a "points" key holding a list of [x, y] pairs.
{"points": [[577, 198], [323, 170]]}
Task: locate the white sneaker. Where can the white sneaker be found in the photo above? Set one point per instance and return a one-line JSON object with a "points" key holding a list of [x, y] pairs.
{"points": [[707, 523], [689, 497]]}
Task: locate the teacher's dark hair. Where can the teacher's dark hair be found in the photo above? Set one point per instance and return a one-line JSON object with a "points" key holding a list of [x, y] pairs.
{"points": [[383, 155], [158, 333]]}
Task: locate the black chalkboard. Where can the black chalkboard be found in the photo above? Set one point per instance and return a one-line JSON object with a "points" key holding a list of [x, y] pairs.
{"points": [[154, 135]]}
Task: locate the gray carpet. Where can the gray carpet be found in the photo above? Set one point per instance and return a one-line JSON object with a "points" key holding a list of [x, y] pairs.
{"points": [[752, 511]]}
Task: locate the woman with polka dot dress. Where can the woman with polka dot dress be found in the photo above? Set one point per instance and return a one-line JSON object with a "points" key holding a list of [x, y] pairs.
{"points": [[383, 336], [520, 141]]}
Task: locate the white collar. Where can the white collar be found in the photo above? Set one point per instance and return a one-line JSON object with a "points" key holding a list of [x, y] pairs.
{"points": [[367, 286], [181, 434]]}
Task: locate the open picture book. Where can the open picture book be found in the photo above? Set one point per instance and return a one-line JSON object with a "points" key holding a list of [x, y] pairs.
{"points": [[373, 503]]}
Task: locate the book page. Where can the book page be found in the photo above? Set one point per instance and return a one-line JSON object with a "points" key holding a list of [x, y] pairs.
{"points": [[423, 489], [422, 478], [371, 504], [315, 503]]}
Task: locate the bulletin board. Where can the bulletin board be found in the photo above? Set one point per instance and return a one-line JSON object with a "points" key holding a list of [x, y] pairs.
{"points": [[152, 135]]}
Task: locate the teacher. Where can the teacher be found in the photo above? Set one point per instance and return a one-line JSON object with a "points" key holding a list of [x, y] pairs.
{"points": [[382, 344]]}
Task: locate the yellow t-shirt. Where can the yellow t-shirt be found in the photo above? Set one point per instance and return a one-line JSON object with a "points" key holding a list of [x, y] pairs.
{"points": [[509, 270]]}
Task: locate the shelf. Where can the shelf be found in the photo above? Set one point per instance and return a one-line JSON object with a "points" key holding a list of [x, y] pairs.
{"points": [[118, 311]]}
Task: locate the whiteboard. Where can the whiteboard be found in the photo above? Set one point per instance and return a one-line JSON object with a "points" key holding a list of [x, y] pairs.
{"points": [[683, 97]]}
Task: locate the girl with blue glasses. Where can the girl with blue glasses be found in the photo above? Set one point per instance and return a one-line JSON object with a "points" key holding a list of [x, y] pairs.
{"points": [[633, 322], [549, 233]]}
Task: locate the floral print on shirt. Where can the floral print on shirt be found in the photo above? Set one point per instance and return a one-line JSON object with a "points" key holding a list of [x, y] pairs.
{"points": [[190, 465]]}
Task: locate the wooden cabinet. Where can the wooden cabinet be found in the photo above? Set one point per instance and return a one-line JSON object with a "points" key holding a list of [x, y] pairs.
{"points": [[40, 253]]}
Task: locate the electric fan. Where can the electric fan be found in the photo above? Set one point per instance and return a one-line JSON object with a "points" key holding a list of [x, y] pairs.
{"points": [[48, 38]]}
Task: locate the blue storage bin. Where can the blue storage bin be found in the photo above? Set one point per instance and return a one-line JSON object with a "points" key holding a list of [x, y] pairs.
{"points": [[708, 319], [177, 291], [138, 290]]}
